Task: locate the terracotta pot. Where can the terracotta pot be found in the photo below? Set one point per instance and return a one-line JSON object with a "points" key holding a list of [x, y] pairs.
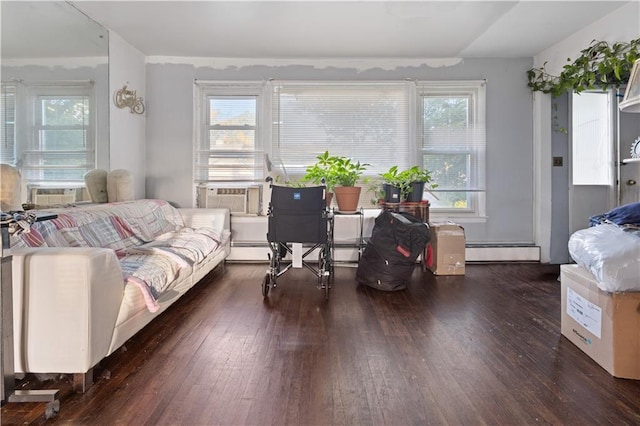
{"points": [[347, 198]]}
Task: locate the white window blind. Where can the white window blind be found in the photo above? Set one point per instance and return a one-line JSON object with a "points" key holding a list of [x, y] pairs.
{"points": [[367, 122], [452, 117], [8, 124], [229, 147], [61, 146]]}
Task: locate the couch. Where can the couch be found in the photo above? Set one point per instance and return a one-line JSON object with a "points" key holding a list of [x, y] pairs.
{"points": [[87, 281]]}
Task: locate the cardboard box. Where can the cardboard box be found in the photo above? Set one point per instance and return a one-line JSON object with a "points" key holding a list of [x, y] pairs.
{"points": [[447, 249], [605, 326]]}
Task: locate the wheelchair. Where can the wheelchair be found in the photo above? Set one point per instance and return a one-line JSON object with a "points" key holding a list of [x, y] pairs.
{"points": [[299, 215]]}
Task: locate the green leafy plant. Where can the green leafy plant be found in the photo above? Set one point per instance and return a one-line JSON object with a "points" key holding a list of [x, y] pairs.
{"points": [[403, 179], [392, 176], [417, 174], [335, 170], [412, 175], [320, 171], [377, 187], [347, 172], [599, 66]]}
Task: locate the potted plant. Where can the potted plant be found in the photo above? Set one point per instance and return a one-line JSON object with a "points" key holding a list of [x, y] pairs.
{"points": [[346, 174], [391, 187], [340, 176], [601, 65], [321, 173], [414, 181]]}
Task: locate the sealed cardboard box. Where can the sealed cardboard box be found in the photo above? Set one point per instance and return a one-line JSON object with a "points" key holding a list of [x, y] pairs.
{"points": [[605, 326], [446, 256]]}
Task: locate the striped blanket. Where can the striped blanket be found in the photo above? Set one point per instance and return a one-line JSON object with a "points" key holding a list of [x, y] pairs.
{"points": [[148, 236]]}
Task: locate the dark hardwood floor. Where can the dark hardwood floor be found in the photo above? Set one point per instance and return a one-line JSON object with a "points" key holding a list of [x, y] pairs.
{"points": [[484, 348]]}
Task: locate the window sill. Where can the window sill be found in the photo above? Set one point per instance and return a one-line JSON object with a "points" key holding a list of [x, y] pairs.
{"points": [[444, 217], [435, 216]]}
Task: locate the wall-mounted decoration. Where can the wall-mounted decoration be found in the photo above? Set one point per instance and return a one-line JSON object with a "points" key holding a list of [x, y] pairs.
{"points": [[635, 148], [128, 98]]}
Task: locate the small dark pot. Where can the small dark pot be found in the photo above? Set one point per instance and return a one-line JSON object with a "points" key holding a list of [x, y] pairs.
{"points": [[391, 193], [415, 196]]}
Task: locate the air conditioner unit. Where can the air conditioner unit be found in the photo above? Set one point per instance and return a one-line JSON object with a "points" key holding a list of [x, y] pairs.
{"points": [[239, 200], [51, 196]]}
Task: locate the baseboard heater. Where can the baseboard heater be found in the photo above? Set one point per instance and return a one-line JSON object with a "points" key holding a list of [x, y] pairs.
{"points": [[255, 251], [502, 253]]}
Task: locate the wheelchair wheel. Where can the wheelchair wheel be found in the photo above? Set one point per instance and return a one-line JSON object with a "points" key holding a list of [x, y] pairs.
{"points": [[324, 272], [330, 264], [327, 286], [322, 267], [266, 284]]}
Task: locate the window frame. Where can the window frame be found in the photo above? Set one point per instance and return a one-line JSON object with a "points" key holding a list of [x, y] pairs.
{"points": [[35, 92], [267, 129], [475, 90], [204, 90]]}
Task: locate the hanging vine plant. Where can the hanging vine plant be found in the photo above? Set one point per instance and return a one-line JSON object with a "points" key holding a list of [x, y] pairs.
{"points": [[600, 66]]}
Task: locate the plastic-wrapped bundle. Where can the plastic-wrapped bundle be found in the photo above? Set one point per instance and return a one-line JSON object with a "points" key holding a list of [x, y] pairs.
{"points": [[390, 255], [611, 254]]}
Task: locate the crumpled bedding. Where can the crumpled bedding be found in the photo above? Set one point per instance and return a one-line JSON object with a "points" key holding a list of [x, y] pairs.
{"points": [[611, 253], [148, 236], [624, 215]]}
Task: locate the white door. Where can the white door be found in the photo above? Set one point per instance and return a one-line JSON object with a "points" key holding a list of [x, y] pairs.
{"points": [[592, 182]]}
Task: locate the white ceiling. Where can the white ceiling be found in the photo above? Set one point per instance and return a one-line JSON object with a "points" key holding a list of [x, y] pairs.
{"points": [[320, 29], [50, 29], [339, 29]]}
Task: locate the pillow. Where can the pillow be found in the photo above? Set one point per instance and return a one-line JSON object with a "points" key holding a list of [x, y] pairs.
{"points": [[96, 183], [119, 185], [627, 214]]}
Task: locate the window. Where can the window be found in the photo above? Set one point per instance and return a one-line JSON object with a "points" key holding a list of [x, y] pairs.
{"points": [[368, 122], [592, 135], [60, 146], [437, 125], [8, 124], [452, 121], [229, 147]]}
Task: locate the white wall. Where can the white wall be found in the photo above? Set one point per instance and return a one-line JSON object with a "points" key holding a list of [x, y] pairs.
{"points": [[519, 138], [621, 25], [510, 200], [127, 130]]}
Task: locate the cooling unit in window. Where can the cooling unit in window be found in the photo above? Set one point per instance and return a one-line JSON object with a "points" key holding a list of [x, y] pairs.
{"points": [[239, 200], [51, 196]]}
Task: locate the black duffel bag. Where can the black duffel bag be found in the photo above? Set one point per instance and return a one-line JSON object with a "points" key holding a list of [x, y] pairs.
{"points": [[390, 255]]}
